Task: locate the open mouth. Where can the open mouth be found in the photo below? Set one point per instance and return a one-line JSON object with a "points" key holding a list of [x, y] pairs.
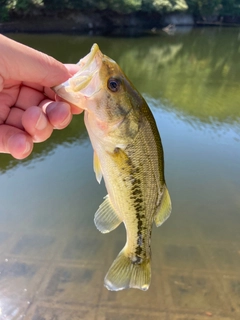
{"points": [[72, 89]]}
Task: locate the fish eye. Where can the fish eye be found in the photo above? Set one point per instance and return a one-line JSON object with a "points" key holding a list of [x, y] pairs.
{"points": [[113, 84]]}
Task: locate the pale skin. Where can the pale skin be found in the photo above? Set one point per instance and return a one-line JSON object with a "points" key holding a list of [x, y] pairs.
{"points": [[29, 109]]}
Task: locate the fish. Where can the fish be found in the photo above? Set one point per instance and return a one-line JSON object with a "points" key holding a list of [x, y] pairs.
{"points": [[128, 155]]}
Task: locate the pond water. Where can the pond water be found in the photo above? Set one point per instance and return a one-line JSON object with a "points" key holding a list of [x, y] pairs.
{"points": [[53, 260]]}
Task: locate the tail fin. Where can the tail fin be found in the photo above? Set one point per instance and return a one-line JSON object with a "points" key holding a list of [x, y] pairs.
{"points": [[124, 274]]}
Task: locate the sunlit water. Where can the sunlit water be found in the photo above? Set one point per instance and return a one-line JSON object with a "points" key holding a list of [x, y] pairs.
{"points": [[53, 260]]}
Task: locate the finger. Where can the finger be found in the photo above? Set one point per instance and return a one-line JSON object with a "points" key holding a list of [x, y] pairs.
{"points": [[15, 142], [28, 97], [32, 85], [14, 118], [74, 109], [49, 93], [35, 122], [72, 68], [59, 114], [41, 68]]}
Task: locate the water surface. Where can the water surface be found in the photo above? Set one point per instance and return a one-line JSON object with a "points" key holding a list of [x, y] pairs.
{"points": [[53, 259]]}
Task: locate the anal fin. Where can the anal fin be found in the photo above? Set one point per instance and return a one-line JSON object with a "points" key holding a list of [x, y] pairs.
{"points": [[106, 218], [165, 208]]}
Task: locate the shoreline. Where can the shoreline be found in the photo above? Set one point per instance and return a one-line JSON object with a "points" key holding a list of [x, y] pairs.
{"points": [[106, 23]]}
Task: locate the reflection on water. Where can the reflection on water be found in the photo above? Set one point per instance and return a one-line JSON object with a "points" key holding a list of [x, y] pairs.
{"points": [[53, 260]]}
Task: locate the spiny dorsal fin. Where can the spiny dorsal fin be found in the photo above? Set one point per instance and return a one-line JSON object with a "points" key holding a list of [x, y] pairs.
{"points": [[165, 208], [97, 167], [106, 218], [124, 274]]}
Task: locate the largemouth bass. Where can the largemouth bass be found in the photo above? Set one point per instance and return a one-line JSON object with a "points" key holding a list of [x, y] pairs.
{"points": [[128, 154]]}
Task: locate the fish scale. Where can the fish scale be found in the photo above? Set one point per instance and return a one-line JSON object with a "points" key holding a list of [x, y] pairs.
{"points": [[128, 154]]}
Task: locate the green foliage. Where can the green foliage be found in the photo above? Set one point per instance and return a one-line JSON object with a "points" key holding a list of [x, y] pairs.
{"points": [[164, 5], [230, 7], [130, 5], [4, 15], [23, 6], [55, 5], [169, 5], [199, 8], [121, 6], [214, 7], [3, 11], [204, 7], [3, 3]]}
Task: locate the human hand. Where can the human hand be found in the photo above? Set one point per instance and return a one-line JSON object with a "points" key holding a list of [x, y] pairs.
{"points": [[29, 110]]}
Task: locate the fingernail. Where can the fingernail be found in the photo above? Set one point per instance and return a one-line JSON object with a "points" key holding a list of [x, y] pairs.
{"points": [[62, 109], [28, 147], [66, 121], [42, 122], [19, 146]]}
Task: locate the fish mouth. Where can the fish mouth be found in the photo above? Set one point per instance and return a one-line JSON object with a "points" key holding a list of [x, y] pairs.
{"points": [[78, 86]]}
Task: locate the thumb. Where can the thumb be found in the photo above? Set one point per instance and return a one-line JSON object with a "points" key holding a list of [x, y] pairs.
{"points": [[15, 142], [22, 63]]}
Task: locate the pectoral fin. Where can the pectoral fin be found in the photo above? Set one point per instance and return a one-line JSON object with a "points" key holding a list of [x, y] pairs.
{"points": [[165, 208], [106, 218], [97, 167]]}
